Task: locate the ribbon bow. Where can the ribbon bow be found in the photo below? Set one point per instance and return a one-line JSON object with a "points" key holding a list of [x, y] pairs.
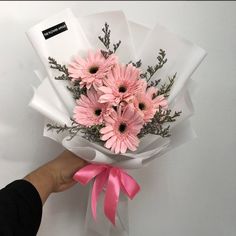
{"points": [[114, 179]]}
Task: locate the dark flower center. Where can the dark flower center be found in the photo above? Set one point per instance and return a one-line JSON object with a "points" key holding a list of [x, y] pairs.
{"points": [[122, 127], [98, 112], [122, 89], [141, 106], [93, 69]]}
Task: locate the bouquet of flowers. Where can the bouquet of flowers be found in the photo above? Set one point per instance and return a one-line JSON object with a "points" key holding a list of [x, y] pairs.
{"points": [[111, 98]]}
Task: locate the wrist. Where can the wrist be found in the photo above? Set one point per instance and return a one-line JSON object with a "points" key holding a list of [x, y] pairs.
{"points": [[43, 181]]}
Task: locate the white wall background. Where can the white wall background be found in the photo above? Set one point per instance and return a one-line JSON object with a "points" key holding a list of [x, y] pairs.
{"points": [[189, 192]]}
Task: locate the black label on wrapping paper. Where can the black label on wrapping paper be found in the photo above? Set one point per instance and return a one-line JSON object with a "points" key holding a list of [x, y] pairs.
{"points": [[54, 30]]}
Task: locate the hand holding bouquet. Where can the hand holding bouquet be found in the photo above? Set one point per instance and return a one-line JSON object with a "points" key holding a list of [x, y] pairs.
{"points": [[116, 107]]}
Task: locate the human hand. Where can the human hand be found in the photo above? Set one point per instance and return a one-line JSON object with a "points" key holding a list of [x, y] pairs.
{"points": [[56, 175]]}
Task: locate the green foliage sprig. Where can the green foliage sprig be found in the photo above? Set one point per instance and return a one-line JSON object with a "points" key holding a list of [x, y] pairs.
{"points": [[76, 91], [90, 133], [74, 87], [154, 83], [106, 42], [156, 126], [151, 70], [136, 64], [61, 68], [166, 87]]}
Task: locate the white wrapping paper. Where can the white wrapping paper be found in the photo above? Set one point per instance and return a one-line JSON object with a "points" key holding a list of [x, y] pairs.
{"points": [[62, 47], [53, 100]]}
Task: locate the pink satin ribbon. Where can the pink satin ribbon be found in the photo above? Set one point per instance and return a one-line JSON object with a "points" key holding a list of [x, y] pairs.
{"points": [[114, 179]]}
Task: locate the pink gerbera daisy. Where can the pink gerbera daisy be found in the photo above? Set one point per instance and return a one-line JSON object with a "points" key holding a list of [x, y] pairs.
{"points": [[147, 104], [121, 84], [92, 70], [121, 130], [88, 110]]}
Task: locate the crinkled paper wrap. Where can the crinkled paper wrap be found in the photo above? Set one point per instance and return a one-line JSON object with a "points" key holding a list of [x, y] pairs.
{"points": [[55, 102]]}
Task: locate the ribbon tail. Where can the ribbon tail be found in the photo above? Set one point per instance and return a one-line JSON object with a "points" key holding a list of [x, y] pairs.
{"points": [[97, 188], [112, 195], [128, 185]]}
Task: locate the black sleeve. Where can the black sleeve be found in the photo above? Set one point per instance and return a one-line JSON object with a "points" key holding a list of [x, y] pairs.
{"points": [[20, 209]]}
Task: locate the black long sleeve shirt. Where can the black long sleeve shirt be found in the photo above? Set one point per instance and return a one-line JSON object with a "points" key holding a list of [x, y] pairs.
{"points": [[20, 209]]}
